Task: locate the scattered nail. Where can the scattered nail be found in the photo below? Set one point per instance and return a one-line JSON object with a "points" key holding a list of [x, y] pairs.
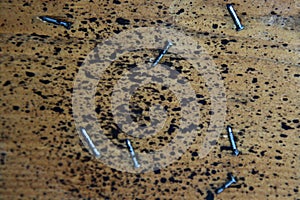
{"points": [[67, 25], [235, 151], [226, 185], [132, 153], [90, 143], [235, 18], [162, 53]]}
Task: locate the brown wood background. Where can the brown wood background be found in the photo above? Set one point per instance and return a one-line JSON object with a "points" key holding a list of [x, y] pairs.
{"points": [[41, 154]]}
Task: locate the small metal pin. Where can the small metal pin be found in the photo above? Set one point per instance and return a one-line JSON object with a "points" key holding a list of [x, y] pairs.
{"points": [[132, 153], [235, 18], [67, 25], [235, 151], [162, 53], [90, 142], [226, 185]]}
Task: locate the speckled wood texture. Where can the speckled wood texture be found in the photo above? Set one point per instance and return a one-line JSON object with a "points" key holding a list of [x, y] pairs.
{"points": [[41, 154]]}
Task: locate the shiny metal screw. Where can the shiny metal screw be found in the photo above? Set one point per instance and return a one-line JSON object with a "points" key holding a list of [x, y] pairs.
{"points": [[235, 151], [67, 25], [167, 47], [226, 185], [235, 18], [132, 153], [90, 142]]}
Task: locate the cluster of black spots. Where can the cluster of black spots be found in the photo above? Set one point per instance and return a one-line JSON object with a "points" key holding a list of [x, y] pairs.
{"points": [[180, 11], [105, 179], [224, 68], [226, 41], [285, 126], [2, 158]]}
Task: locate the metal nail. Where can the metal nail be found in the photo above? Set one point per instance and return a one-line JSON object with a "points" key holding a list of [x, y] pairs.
{"points": [[132, 153], [90, 143], [235, 18], [67, 25], [162, 53], [235, 151], [226, 185]]}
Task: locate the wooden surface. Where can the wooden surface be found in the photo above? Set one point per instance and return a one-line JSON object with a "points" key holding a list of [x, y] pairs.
{"points": [[42, 156]]}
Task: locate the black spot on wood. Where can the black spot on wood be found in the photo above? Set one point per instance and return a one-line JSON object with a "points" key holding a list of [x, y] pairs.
{"points": [[56, 50], [2, 158], [16, 107], [60, 68], [58, 109], [285, 126], [45, 81], [195, 154], [93, 19], [116, 2], [122, 21], [283, 135], [224, 41], [180, 11], [191, 176], [172, 129], [19, 44], [30, 74], [278, 157], [7, 83], [41, 36], [210, 196]]}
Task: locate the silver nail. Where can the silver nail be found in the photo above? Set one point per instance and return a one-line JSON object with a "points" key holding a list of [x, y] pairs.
{"points": [[132, 153], [226, 185], [235, 151], [90, 143], [235, 18], [67, 25], [162, 53]]}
